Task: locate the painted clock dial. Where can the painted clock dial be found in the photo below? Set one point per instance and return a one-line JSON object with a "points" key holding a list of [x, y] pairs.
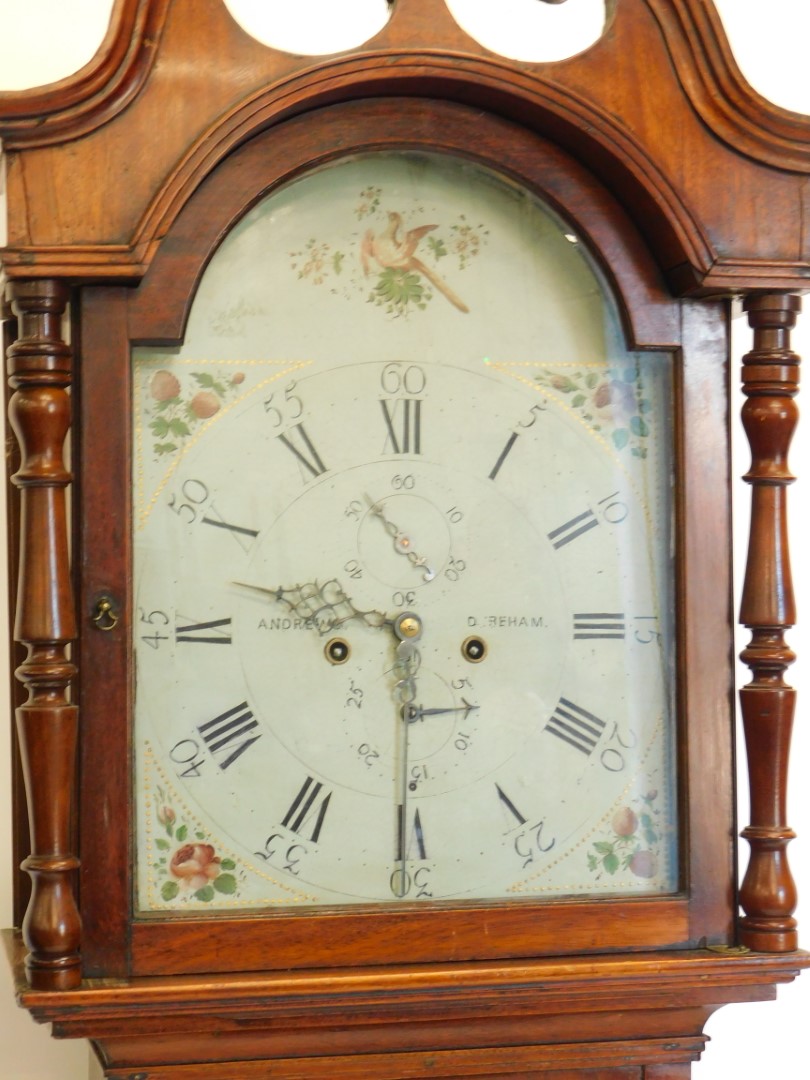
{"points": [[403, 578]]}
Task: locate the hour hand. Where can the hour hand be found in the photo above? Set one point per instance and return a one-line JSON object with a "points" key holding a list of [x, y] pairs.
{"points": [[324, 606]]}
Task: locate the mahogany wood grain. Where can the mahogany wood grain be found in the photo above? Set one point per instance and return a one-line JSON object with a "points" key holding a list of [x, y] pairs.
{"points": [[460, 1064], [103, 550], [123, 179], [658, 108], [705, 677], [102, 86], [770, 382], [441, 933], [719, 92], [39, 366], [524, 1061], [503, 1019]]}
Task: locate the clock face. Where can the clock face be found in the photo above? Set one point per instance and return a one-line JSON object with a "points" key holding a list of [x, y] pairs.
{"points": [[403, 582]]}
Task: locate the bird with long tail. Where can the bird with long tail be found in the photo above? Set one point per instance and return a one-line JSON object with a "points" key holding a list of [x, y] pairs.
{"points": [[395, 249]]}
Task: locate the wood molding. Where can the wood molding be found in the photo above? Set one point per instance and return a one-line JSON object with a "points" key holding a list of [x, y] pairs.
{"points": [[87, 99], [65, 140], [694, 32], [720, 93], [409, 1020]]}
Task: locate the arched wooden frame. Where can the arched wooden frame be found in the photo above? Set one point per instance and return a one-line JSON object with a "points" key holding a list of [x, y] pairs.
{"points": [[156, 313]]}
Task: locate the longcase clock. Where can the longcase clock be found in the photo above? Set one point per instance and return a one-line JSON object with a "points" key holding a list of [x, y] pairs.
{"points": [[375, 711]]}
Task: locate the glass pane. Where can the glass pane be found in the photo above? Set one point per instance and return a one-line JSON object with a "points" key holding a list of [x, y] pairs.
{"points": [[310, 27], [532, 31], [403, 560]]}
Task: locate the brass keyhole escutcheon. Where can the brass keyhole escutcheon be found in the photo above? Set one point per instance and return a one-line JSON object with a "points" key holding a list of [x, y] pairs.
{"points": [[105, 615]]}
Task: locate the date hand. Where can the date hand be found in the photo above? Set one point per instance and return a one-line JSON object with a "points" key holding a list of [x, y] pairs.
{"points": [[403, 544], [416, 712], [325, 606]]}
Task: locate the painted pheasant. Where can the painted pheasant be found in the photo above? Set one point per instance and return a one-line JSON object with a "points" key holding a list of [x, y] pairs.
{"points": [[393, 249]]}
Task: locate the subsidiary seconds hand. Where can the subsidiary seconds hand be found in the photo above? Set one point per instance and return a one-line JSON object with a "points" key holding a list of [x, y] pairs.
{"points": [[403, 544]]}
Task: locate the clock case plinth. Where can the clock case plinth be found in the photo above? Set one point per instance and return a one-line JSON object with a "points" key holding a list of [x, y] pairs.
{"points": [[591, 1018], [592, 988]]}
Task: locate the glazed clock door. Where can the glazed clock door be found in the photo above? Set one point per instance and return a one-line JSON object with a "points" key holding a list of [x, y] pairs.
{"points": [[402, 556], [403, 580]]}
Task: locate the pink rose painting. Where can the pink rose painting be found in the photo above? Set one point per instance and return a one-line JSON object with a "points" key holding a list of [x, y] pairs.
{"points": [[195, 865], [188, 865]]}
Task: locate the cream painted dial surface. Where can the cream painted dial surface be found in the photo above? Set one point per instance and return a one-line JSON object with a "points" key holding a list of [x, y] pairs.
{"points": [[403, 587]]}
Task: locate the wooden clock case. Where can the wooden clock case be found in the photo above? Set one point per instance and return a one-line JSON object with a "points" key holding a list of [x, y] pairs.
{"points": [[122, 181]]}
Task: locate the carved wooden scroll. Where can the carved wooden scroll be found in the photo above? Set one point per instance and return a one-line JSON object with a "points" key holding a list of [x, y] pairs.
{"points": [[770, 382], [39, 368]]}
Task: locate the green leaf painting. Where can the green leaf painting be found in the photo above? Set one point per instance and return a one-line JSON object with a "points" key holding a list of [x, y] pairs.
{"points": [[633, 844], [174, 410], [611, 401], [191, 868]]}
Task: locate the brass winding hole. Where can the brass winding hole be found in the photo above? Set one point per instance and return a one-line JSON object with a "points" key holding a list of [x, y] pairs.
{"points": [[474, 649], [337, 650]]}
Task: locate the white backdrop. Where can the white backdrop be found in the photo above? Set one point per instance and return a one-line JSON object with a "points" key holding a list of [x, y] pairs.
{"points": [[48, 39]]}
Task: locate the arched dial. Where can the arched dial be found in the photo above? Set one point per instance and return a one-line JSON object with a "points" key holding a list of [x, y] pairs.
{"points": [[402, 628]]}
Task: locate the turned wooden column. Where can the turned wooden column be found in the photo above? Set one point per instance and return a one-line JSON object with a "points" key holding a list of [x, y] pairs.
{"points": [[770, 382], [39, 369]]}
